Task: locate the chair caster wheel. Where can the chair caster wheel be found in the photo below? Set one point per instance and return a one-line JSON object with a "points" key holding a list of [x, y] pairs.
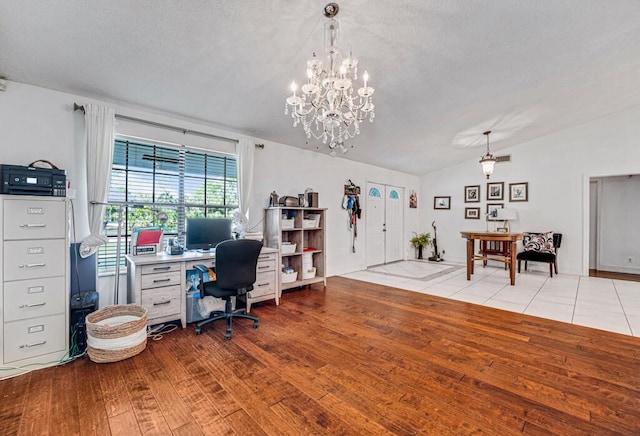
{"points": [[256, 324], [227, 336], [198, 330]]}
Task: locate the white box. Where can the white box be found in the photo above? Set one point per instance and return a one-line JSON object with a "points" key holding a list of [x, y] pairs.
{"points": [[308, 273], [287, 224], [288, 248], [289, 277]]}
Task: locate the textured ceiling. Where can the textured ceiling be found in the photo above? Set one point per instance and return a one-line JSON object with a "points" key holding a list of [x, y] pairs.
{"points": [[444, 70]]}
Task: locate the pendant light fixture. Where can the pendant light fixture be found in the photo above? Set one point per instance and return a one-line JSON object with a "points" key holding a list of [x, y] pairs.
{"points": [[488, 160]]}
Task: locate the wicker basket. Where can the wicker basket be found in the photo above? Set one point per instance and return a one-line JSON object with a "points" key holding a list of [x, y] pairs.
{"points": [[114, 341]]}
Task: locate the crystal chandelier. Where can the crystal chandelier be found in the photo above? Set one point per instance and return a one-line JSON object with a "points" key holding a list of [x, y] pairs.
{"points": [[327, 106], [487, 161]]}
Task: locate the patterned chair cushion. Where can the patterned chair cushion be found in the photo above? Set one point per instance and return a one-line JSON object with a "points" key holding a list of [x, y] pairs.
{"points": [[542, 242]]}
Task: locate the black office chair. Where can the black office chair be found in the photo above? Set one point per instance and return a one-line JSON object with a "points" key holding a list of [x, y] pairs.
{"points": [[537, 252], [235, 269]]}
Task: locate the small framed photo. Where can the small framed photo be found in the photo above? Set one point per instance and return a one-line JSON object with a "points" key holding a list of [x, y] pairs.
{"points": [[492, 211], [472, 194], [519, 191], [472, 213], [495, 191], [442, 202]]}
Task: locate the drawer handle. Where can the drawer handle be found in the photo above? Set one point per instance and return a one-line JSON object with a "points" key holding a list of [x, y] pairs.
{"points": [[163, 303], [161, 280], [263, 284], [266, 256], [22, 306], [35, 344], [161, 268], [32, 265], [264, 267], [31, 226]]}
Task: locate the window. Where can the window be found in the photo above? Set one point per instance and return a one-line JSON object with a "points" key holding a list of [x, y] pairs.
{"points": [[147, 178]]}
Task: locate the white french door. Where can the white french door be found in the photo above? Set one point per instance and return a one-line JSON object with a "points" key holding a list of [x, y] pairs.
{"points": [[385, 224]]}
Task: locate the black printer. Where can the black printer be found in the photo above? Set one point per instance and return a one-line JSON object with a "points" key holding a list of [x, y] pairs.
{"points": [[21, 180]]}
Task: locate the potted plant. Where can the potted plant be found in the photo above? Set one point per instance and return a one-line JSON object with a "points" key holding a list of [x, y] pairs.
{"points": [[419, 241]]}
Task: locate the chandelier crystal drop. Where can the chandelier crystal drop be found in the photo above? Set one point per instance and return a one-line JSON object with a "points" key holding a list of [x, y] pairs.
{"points": [[328, 107], [487, 161]]}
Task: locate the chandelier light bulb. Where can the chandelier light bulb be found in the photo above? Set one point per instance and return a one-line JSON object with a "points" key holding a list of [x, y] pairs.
{"points": [[328, 108], [294, 87]]}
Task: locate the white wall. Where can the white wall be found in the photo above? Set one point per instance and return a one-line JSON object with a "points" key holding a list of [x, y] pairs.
{"points": [[557, 168], [289, 171], [39, 123]]}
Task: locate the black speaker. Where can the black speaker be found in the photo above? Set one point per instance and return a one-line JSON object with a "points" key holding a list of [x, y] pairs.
{"points": [[81, 305]]}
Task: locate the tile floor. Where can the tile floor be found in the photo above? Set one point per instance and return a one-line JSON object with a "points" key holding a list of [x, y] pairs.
{"points": [[605, 304]]}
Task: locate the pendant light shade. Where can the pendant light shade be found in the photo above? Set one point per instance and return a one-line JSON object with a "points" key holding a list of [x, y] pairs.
{"points": [[488, 160]]}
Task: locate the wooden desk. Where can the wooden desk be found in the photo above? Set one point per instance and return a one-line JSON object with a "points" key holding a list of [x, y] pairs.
{"points": [[158, 282], [508, 238]]}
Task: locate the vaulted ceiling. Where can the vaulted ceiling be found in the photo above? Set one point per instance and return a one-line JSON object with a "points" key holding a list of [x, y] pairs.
{"points": [[444, 70]]}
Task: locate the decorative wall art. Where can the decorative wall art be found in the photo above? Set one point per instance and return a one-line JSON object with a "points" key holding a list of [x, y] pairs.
{"points": [[492, 211], [442, 202], [413, 199], [472, 213], [472, 194], [519, 191], [495, 191]]}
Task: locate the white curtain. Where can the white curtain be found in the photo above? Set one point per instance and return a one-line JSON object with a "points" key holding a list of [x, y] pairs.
{"points": [[245, 150], [99, 137]]}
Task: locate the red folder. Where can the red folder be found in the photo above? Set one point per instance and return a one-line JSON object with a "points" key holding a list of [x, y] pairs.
{"points": [[149, 237]]}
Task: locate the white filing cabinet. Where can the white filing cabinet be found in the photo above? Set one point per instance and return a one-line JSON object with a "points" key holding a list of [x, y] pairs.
{"points": [[34, 315]]}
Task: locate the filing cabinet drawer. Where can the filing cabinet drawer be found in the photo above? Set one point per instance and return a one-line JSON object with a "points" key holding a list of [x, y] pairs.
{"points": [[34, 298], [162, 301], [265, 285], [162, 279], [34, 337], [160, 268], [34, 259], [34, 219]]}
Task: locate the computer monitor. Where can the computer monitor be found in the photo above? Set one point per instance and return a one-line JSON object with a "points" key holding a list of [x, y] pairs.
{"points": [[206, 233]]}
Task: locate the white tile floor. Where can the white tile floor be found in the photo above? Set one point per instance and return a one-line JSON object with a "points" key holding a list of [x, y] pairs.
{"points": [[605, 304]]}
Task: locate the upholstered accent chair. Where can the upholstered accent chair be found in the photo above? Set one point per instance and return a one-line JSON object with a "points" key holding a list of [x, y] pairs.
{"points": [[540, 247]]}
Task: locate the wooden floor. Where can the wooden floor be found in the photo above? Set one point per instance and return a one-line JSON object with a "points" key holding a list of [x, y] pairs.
{"points": [[356, 358]]}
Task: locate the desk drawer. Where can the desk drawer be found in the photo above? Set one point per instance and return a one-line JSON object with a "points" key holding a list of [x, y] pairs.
{"points": [[34, 219], [160, 268], [34, 298], [161, 279], [265, 285], [208, 262], [266, 265], [162, 301], [34, 337], [34, 259]]}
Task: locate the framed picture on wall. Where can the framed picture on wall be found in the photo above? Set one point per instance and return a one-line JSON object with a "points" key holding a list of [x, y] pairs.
{"points": [[492, 211], [413, 199], [495, 191], [519, 191], [472, 194], [472, 213], [442, 202]]}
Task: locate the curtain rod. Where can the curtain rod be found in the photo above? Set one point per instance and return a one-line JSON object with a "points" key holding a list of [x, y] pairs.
{"points": [[78, 107]]}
